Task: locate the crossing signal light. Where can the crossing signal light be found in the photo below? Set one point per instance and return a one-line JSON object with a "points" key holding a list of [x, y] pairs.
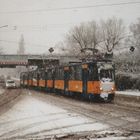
{"points": [[51, 50], [132, 49]]}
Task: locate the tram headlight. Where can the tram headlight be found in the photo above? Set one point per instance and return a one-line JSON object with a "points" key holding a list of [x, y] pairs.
{"points": [[101, 89], [112, 88]]}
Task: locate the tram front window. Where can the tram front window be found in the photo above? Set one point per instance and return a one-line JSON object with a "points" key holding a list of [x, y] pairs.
{"points": [[106, 75]]}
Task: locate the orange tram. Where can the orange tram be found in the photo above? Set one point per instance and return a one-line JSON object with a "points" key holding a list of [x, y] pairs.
{"points": [[91, 80]]}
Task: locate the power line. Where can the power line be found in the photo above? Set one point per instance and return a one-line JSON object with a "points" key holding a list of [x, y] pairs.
{"points": [[16, 42], [71, 8], [3, 26], [29, 28]]}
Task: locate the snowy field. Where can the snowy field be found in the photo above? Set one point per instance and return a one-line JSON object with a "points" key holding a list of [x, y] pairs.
{"points": [[1, 91]]}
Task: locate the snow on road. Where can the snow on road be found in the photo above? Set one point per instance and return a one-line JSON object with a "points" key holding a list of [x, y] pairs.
{"points": [[129, 92], [1, 91], [30, 116]]}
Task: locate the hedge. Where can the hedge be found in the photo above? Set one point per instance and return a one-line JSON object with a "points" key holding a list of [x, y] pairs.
{"points": [[127, 81]]}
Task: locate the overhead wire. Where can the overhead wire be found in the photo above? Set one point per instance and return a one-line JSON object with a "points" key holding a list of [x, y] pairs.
{"points": [[46, 27], [71, 8], [26, 43], [65, 8], [39, 45], [68, 8]]}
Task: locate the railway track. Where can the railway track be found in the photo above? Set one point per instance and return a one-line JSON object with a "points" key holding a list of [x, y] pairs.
{"points": [[100, 111], [117, 117]]}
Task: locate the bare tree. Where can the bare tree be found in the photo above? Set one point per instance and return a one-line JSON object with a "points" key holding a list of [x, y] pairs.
{"points": [[113, 32], [85, 36], [77, 36], [1, 50], [130, 60], [135, 40], [94, 34], [135, 29], [21, 49]]}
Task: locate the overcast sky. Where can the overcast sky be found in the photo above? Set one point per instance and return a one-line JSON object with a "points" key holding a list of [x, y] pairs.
{"points": [[43, 28]]}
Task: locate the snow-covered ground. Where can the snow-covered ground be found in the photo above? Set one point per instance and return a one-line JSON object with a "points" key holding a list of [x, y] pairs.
{"points": [[129, 92], [38, 116], [1, 91], [17, 79], [31, 116]]}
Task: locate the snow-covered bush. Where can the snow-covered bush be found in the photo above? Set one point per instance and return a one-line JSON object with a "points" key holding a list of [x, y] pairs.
{"points": [[127, 81]]}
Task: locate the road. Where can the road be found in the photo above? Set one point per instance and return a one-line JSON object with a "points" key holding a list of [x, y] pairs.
{"points": [[37, 115]]}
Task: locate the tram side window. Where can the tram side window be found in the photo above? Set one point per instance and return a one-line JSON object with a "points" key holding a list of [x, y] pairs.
{"points": [[75, 73], [23, 77], [93, 73], [61, 74], [56, 74], [26, 76], [49, 75], [39, 75], [72, 73], [43, 75], [78, 73], [35, 76], [30, 76]]}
